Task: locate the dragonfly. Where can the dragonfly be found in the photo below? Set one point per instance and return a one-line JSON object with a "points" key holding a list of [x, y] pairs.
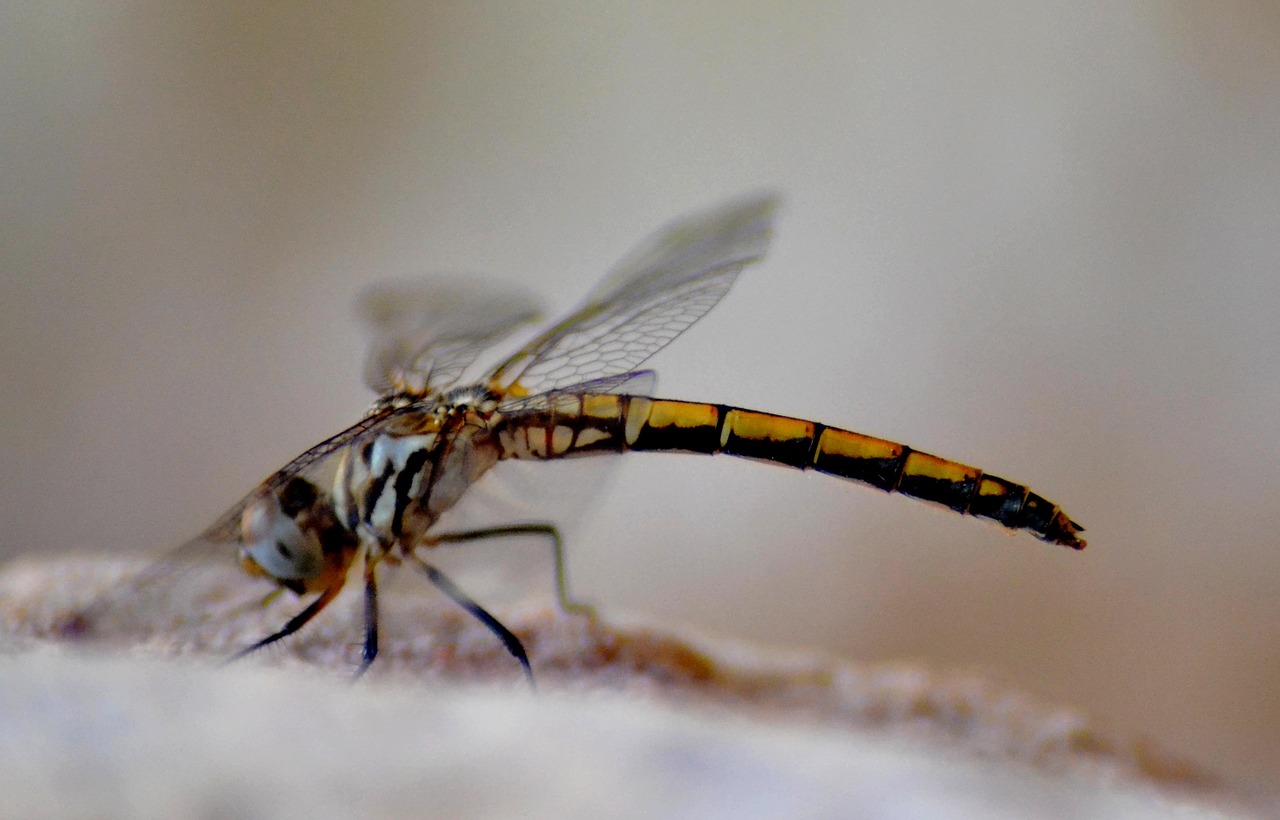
{"points": [[372, 495]]}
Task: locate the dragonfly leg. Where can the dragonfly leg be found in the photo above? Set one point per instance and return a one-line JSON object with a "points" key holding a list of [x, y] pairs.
{"points": [[370, 617], [295, 623], [566, 602], [508, 638]]}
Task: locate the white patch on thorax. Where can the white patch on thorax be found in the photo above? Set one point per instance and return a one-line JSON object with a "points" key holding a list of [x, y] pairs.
{"points": [[391, 452]]}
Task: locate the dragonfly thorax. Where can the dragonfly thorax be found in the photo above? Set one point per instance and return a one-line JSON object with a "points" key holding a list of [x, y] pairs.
{"points": [[469, 396], [393, 401], [393, 486]]}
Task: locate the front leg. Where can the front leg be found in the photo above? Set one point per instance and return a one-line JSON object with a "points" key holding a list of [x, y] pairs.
{"points": [[370, 617], [296, 622]]}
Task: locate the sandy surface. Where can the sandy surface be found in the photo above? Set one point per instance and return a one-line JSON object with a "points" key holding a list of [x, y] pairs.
{"points": [[627, 720]]}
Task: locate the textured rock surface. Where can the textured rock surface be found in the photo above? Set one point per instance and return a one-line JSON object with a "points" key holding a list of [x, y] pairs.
{"points": [[627, 721]]}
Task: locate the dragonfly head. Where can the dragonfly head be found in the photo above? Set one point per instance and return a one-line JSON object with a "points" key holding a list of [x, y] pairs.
{"points": [[292, 536]]}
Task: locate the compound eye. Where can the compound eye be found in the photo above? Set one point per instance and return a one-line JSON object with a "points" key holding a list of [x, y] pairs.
{"points": [[276, 544]]}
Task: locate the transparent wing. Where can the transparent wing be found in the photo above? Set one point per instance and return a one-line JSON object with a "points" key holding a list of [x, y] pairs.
{"points": [[205, 572], [425, 334], [652, 296], [637, 383], [315, 463]]}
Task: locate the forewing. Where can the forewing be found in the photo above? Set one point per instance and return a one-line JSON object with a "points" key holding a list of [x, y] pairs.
{"points": [[425, 334], [636, 383], [652, 296], [200, 584], [316, 463]]}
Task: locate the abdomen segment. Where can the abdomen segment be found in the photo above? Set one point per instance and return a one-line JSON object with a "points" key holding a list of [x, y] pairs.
{"points": [[594, 423]]}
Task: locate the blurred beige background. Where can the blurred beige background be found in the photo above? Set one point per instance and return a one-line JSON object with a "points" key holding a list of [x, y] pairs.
{"points": [[1038, 238]]}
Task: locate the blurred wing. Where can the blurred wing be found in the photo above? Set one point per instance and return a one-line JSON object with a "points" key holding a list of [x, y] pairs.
{"points": [[316, 463], [635, 383], [200, 580], [652, 296], [426, 334]]}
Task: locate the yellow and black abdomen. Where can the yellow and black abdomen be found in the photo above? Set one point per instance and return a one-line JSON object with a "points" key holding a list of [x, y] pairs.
{"points": [[585, 424]]}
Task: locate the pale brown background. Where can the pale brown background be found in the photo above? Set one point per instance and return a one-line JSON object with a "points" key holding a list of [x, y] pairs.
{"points": [[1040, 238]]}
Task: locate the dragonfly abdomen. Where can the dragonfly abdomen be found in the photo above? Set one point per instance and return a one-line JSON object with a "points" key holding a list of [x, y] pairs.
{"points": [[579, 425]]}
